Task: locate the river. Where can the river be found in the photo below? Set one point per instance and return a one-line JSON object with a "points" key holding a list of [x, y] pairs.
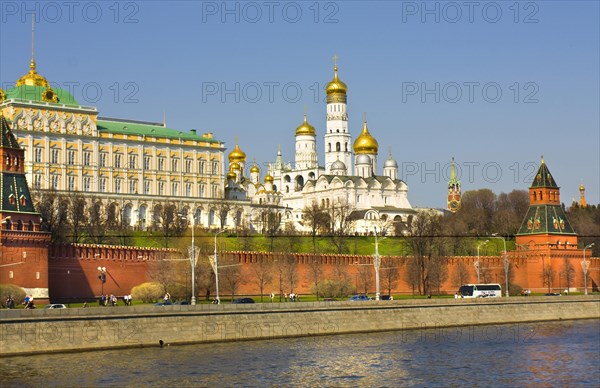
{"points": [[561, 354]]}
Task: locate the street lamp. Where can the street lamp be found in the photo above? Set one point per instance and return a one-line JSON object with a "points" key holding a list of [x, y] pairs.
{"points": [[477, 265], [495, 235], [102, 277], [192, 253], [215, 265], [585, 265], [377, 264]]}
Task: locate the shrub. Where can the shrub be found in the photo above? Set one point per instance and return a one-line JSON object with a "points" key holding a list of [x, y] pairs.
{"points": [[147, 292], [6, 290], [334, 288]]}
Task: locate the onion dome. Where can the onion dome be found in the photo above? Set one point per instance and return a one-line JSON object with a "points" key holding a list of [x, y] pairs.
{"points": [[338, 167], [581, 187], [254, 168], [305, 129], [363, 159], [390, 162], [231, 175], [2, 95], [234, 166], [365, 143], [268, 178], [237, 155], [336, 86], [32, 78]]}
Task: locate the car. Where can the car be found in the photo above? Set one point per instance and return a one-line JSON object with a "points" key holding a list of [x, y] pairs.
{"points": [[182, 303], [55, 306], [166, 303], [356, 298], [552, 294], [386, 297], [242, 300]]}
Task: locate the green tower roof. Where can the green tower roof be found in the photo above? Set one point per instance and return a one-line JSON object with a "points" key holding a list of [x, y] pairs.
{"points": [[35, 93], [543, 178]]}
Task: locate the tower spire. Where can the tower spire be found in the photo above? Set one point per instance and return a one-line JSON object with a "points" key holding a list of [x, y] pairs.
{"points": [[32, 63]]}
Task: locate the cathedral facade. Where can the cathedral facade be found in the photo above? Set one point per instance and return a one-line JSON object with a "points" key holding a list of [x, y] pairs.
{"points": [[350, 186]]}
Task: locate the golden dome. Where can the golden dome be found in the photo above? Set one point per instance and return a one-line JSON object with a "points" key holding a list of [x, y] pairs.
{"points": [[336, 86], [237, 155], [254, 168], [268, 178], [231, 175], [365, 143], [305, 129], [581, 187], [32, 78], [234, 166]]}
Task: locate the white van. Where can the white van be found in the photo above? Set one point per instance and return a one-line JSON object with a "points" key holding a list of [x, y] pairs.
{"points": [[479, 291]]}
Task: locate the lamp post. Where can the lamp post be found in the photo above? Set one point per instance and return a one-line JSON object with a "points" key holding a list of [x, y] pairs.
{"points": [[585, 265], [377, 264], [216, 267], [477, 265], [102, 277], [495, 235], [193, 262]]}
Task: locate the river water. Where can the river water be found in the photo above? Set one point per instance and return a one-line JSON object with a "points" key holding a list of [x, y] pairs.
{"points": [[561, 354]]}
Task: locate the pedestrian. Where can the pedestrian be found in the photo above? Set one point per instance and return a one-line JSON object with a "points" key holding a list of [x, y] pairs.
{"points": [[167, 298]]}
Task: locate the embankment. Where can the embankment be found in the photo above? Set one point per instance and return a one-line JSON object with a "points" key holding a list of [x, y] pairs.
{"points": [[44, 331]]}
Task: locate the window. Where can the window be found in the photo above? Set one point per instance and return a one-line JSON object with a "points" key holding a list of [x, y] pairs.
{"points": [[70, 157], [201, 188], [175, 164], [133, 186], [147, 160], [37, 154], [118, 161], [188, 190], [188, 165], [161, 188], [55, 156], [37, 181], [102, 185], [215, 168], [87, 183], [118, 184], [71, 183], [161, 163], [102, 159], [215, 191], [87, 158], [174, 188], [201, 167], [132, 161], [147, 186]]}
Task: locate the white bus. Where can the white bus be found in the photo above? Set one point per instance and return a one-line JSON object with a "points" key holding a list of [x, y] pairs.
{"points": [[479, 291]]}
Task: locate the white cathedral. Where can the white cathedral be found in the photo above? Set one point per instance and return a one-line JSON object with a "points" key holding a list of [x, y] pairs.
{"points": [[356, 198]]}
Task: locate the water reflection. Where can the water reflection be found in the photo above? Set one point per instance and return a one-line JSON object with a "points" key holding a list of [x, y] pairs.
{"points": [[547, 354]]}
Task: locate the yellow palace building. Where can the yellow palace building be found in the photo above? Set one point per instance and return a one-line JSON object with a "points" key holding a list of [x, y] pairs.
{"points": [[133, 165]]}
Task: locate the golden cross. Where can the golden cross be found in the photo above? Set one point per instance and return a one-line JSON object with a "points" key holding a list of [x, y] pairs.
{"points": [[335, 57]]}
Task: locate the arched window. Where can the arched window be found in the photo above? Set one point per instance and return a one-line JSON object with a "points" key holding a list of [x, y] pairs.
{"points": [[328, 147], [338, 146]]}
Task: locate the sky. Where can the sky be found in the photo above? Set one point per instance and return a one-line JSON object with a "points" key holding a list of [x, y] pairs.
{"points": [[494, 84]]}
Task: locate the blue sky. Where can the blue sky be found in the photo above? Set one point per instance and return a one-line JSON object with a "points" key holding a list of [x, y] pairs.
{"points": [[494, 84]]}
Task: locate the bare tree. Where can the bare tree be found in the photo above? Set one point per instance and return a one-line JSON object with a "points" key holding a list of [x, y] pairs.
{"points": [[317, 219], [231, 273], [424, 235], [568, 272], [77, 216], [96, 226], [365, 277], [315, 272], [413, 275], [263, 274], [54, 213], [340, 224], [461, 273], [222, 208], [169, 221], [438, 273], [390, 273], [548, 276]]}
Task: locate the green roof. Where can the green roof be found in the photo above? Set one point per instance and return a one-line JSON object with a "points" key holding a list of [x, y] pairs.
{"points": [[7, 139], [34, 93], [545, 219], [148, 129], [543, 178]]}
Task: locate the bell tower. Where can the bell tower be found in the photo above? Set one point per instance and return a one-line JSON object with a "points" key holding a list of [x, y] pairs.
{"points": [[338, 141], [454, 193]]}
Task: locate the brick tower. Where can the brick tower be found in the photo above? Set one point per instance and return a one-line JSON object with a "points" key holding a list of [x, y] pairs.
{"points": [[23, 247]]}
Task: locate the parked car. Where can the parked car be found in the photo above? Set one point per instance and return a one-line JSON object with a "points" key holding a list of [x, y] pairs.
{"points": [[167, 303], [55, 306], [182, 302], [385, 297], [242, 300], [356, 298], [552, 294]]}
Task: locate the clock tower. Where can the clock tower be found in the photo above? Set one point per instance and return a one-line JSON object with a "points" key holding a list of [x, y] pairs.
{"points": [[454, 199]]}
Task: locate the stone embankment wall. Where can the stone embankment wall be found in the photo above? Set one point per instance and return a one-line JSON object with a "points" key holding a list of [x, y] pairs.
{"points": [[44, 331]]}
